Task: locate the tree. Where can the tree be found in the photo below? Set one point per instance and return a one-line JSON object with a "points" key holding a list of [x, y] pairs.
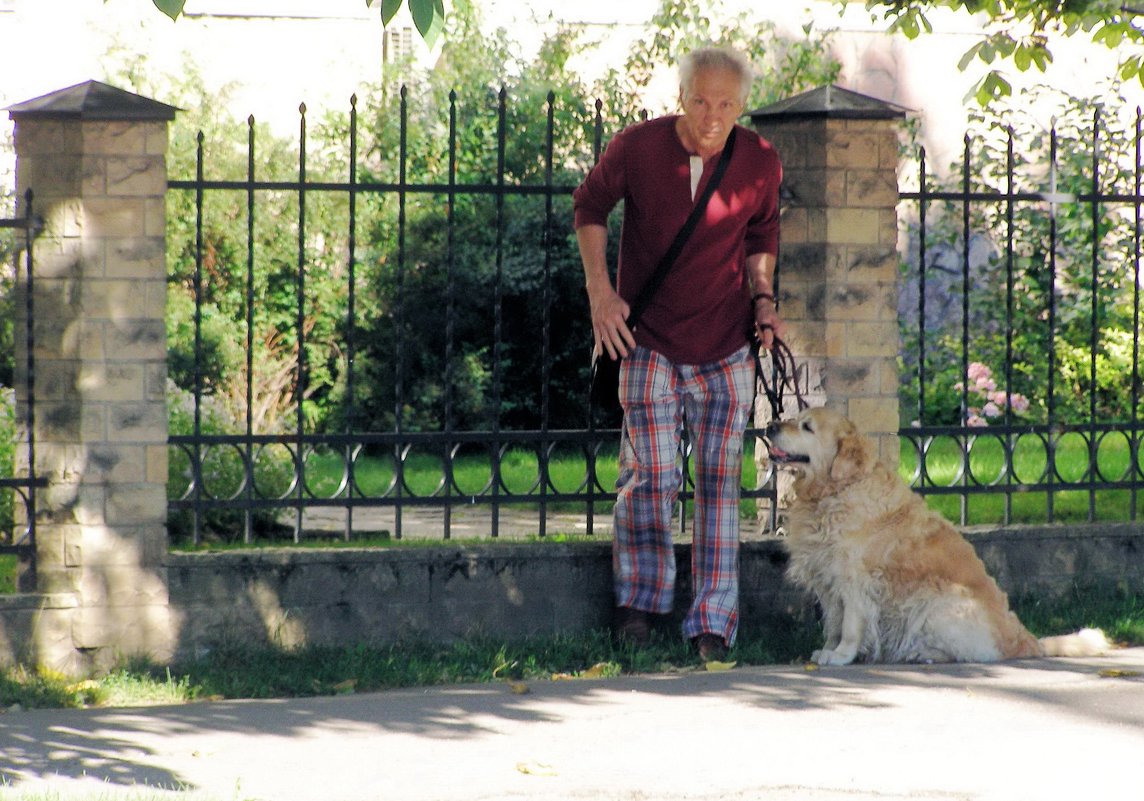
{"points": [[1049, 279], [413, 357], [1019, 30], [428, 15]]}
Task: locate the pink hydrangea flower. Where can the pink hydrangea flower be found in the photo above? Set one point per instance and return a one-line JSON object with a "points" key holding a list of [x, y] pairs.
{"points": [[977, 371], [982, 383]]}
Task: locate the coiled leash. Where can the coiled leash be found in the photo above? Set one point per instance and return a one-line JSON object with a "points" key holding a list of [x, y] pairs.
{"points": [[783, 374]]}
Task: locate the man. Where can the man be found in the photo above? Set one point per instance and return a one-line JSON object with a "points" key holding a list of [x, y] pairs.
{"points": [[688, 357]]}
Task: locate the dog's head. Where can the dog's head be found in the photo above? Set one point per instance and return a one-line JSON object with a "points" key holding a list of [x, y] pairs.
{"points": [[822, 445]]}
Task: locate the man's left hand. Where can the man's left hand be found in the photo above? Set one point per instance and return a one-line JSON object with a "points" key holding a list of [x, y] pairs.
{"points": [[768, 324]]}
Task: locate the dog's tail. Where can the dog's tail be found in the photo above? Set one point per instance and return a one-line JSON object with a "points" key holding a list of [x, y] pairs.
{"points": [[1086, 642]]}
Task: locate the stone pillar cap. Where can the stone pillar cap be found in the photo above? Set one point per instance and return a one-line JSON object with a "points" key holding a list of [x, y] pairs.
{"points": [[92, 100], [832, 102]]}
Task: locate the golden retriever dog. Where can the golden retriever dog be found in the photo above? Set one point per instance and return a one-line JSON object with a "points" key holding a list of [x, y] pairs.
{"points": [[895, 580]]}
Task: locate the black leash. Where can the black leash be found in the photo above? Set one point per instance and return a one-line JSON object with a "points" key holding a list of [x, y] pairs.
{"points": [[783, 375]]}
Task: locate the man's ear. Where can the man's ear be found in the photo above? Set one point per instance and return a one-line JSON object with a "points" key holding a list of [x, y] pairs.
{"points": [[855, 458]]}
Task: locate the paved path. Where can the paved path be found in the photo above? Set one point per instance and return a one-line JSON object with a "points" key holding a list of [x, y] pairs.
{"points": [[467, 522], [1037, 730], [474, 522]]}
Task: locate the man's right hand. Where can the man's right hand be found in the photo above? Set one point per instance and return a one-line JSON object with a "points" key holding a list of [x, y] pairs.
{"points": [[609, 311], [609, 322]]}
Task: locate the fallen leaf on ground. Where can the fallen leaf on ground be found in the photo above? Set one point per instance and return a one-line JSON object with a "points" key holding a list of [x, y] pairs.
{"points": [[715, 666], [810, 667], [536, 769], [519, 688], [597, 671], [1118, 673]]}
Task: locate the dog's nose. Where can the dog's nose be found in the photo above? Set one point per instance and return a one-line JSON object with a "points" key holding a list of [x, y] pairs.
{"points": [[771, 429]]}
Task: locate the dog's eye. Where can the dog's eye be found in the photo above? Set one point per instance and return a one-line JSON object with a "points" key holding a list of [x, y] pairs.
{"points": [[807, 427]]}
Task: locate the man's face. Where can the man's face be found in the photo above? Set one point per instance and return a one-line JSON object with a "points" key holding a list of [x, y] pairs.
{"points": [[710, 107]]}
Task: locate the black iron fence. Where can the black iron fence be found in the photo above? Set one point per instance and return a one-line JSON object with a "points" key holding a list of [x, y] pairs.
{"points": [[248, 481], [18, 492], [1021, 326], [1013, 408]]}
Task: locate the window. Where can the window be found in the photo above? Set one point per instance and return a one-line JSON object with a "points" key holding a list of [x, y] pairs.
{"points": [[397, 45]]}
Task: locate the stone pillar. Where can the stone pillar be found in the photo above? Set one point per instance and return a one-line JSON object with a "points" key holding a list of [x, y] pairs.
{"points": [[838, 264], [95, 159]]}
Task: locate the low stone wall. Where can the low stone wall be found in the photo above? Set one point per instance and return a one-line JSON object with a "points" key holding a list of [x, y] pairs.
{"points": [[439, 593], [289, 597], [511, 591]]}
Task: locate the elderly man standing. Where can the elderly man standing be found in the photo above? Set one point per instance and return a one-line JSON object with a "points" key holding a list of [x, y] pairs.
{"points": [[688, 359]]}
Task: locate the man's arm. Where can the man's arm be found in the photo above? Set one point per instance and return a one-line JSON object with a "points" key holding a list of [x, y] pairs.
{"points": [[609, 310], [761, 271]]}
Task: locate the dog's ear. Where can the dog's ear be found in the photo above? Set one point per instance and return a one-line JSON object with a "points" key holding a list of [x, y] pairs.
{"points": [[855, 458]]}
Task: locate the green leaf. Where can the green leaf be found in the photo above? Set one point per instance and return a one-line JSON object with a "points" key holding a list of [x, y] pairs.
{"points": [[1110, 35], [388, 9], [172, 8], [990, 88], [908, 25], [1022, 58], [422, 11], [970, 54], [429, 18]]}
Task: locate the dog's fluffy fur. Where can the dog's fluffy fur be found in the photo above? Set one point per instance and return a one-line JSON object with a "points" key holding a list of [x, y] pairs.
{"points": [[896, 582]]}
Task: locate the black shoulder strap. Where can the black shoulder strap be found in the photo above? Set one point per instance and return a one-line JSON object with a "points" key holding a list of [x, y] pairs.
{"points": [[653, 283]]}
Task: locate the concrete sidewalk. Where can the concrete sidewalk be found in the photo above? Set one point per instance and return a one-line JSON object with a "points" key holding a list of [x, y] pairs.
{"points": [[1037, 730]]}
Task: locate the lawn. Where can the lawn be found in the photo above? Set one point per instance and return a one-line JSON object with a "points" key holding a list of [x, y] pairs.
{"points": [[993, 496], [995, 492]]}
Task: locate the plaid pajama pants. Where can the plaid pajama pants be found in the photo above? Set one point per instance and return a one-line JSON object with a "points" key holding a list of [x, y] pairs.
{"points": [[715, 400]]}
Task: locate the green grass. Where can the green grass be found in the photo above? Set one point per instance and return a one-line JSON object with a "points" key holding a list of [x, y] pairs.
{"points": [[1120, 613], [8, 566], [424, 473], [234, 671], [373, 540], [986, 468], [520, 472]]}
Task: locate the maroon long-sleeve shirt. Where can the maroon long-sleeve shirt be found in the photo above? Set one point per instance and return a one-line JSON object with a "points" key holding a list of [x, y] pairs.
{"points": [[702, 312]]}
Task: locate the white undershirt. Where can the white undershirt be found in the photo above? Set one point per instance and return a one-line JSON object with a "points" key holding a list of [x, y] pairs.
{"points": [[696, 173]]}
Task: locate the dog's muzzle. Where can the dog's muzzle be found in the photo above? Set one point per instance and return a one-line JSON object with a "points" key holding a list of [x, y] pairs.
{"points": [[777, 454]]}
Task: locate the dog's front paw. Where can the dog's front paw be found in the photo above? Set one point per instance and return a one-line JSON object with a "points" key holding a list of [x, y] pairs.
{"points": [[828, 657]]}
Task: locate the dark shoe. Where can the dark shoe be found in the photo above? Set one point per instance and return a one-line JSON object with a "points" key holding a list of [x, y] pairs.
{"points": [[711, 647], [632, 625]]}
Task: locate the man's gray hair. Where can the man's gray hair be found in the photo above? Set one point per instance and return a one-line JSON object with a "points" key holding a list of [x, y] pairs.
{"points": [[723, 58]]}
